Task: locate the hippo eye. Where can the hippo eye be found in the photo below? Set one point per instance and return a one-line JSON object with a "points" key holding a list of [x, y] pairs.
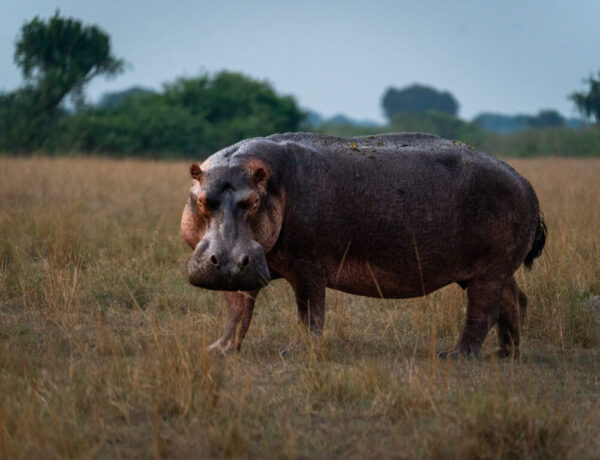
{"points": [[203, 207], [249, 203], [210, 202]]}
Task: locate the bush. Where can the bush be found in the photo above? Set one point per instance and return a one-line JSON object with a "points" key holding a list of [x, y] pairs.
{"points": [[192, 116]]}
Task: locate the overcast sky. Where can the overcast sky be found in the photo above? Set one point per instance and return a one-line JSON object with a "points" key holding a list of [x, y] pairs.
{"points": [[339, 56]]}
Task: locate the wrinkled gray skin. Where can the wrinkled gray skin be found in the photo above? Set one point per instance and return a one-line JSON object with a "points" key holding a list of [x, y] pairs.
{"points": [[393, 216]]}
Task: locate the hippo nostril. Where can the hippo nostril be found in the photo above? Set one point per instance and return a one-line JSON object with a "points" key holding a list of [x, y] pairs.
{"points": [[245, 261], [213, 260]]}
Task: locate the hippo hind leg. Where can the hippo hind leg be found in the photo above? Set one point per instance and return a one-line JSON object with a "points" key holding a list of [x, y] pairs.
{"points": [[510, 320], [483, 310]]}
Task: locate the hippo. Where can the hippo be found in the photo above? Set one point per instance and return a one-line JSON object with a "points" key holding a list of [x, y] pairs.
{"points": [[391, 216]]}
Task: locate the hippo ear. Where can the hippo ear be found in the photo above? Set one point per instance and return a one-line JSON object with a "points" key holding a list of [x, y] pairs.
{"points": [[259, 177], [257, 173], [195, 171]]}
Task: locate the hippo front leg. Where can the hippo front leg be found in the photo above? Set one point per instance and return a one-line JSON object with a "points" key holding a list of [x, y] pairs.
{"points": [[241, 307]]}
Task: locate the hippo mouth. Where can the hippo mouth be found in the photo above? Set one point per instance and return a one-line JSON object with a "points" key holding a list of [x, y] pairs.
{"points": [[227, 277], [230, 284]]}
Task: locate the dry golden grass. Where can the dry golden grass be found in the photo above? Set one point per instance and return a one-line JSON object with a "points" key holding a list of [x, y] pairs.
{"points": [[102, 340]]}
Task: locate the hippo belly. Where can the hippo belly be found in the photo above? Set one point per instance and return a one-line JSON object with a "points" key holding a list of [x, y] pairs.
{"points": [[396, 270], [367, 279]]}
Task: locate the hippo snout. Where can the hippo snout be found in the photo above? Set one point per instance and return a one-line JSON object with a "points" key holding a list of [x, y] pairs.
{"points": [[240, 269]]}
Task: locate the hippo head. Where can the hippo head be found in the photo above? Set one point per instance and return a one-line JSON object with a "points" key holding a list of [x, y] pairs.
{"points": [[232, 218]]}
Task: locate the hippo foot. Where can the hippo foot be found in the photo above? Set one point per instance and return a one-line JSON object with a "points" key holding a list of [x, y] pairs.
{"points": [[222, 347]]}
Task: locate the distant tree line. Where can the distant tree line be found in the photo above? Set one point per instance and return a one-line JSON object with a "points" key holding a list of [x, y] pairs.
{"points": [[199, 115], [501, 123]]}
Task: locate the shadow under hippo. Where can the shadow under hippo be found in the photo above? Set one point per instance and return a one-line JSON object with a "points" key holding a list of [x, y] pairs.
{"points": [[392, 216]]}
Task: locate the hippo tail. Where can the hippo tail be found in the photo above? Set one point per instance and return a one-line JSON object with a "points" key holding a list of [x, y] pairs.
{"points": [[539, 240]]}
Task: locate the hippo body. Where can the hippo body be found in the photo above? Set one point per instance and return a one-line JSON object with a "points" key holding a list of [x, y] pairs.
{"points": [[392, 216]]}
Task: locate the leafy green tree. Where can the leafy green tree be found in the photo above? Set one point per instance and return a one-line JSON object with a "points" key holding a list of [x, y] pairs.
{"points": [[417, 99], [229, 95], [588, 102], [58, 57]]}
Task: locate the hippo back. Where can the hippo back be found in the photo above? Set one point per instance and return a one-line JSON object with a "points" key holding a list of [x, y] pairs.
{"points": [[402, 211]]}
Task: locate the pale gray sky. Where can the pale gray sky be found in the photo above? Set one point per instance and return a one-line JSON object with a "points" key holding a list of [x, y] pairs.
{"points": [[339, 56]]}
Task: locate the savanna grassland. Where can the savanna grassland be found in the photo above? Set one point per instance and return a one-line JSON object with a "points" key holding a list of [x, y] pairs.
{"points": [[102, 341]]}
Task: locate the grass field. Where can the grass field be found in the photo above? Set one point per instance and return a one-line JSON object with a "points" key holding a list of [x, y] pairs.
{"points": [[102, 341]]}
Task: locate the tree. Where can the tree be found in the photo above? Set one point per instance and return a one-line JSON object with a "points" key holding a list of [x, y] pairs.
{"points": [[417, 99], [588, 102], [60, 56]]}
